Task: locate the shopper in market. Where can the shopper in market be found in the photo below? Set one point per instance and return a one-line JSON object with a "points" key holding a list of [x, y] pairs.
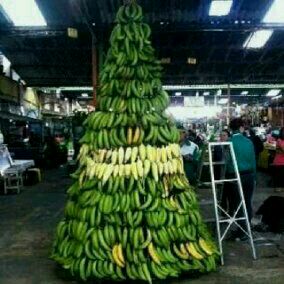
{"points": [[245, 156], [257, 143], [221, 154], [190, 153], [278, 163]]}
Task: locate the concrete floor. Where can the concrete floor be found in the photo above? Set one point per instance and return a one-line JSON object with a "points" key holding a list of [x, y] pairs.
{"points": [[27, 226]]}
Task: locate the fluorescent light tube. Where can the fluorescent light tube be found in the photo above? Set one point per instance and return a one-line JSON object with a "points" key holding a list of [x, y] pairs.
{"points": [[275, 13], [177, 94], [23, 12], [273, 93], [244, 93], [277, 97], [220, 7], [257, 39]]}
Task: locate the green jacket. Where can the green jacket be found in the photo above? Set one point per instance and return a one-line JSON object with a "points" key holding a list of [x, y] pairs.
{"points": [[245, 154]]}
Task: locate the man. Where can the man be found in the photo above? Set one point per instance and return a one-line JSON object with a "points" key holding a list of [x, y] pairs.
{"points": [[246, 162], [190, 153]]}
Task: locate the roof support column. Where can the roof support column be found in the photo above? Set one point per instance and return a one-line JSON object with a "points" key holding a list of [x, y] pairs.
{"points": [[94, 70], [228, 104]]}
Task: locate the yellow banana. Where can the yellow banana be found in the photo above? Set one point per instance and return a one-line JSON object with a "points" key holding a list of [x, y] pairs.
{"points": [[116, 170], [170, 167], [115, 255], [174, 165], [120, 254], [136, 135], [159, 154], [142, 152], [129, 135], [169, 153], [192, 251], [134, 154], [127, 170], [183, 250], [114, 157], [102, 154], [160, 168], [147, 167], [166, 168], [155, 173], [127, 154], [108, 173], [140, 168], [120, 155], [121, 171], [153, 253], [163, 154], [149, 152], [134, 171], [205, 246]]}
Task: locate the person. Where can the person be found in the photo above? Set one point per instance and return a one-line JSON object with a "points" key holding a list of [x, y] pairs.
{"points": [[246, 163], [220, 154], [278, 162], [257, 143], [190, 153], [1, 138]]}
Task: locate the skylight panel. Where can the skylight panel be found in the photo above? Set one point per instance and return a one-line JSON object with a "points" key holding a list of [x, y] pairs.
{"points": [[23, 12], [273, 92], [275, 13], [220, 7], [258, 39]]}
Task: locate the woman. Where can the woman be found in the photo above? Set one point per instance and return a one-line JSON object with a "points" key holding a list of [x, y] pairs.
{"points": [[279, 162]]}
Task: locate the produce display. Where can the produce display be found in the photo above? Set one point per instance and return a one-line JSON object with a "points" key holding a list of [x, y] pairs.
{"points": [[131, 213]]}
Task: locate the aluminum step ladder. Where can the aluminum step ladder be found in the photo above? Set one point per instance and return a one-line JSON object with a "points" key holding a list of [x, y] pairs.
{"points": [[228, 220]]}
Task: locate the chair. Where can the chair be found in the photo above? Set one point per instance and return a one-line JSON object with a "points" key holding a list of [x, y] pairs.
{"points": [[13, 179]]}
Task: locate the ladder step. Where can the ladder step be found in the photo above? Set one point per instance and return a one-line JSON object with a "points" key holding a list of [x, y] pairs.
{"points": [[230, 219], [213, 163], [225, 180], [205, 183], [206, 202]]}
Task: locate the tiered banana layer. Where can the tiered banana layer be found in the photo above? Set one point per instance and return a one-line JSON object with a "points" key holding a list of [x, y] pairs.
{"points": [[131, 213]]}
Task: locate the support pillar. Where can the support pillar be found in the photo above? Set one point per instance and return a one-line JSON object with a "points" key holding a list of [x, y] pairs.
{"points": [[228, 104], [94, 70]]}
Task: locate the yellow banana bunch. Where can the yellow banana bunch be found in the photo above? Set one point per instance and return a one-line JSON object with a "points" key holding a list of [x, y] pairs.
{"points": [[193, 252], [153, 253], [117, 255]]}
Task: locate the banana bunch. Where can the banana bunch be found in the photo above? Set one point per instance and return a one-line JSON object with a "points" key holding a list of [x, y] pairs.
{"points": [[142, 152], [131, 213]]}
